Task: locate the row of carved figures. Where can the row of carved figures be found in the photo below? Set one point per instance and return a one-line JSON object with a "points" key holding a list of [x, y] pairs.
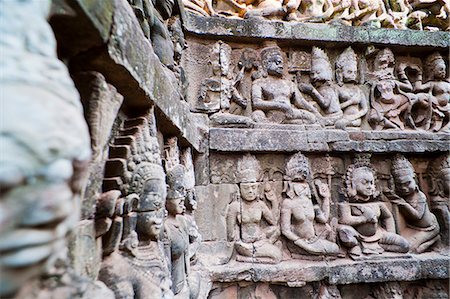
{"points": [[401, 95], [400, 14], [144, 217], [369, 223]]}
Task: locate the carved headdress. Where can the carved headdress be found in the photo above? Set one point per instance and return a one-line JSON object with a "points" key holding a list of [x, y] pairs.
{"points": [[319, 57], [248, 169], [297, 167], [176, 172], [401, 166], [430, 62], [348, 57], [361, 162], [268, 52]]}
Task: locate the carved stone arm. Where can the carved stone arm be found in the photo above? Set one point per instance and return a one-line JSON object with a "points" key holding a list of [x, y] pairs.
{"points": [[387, 218], [346, 217]]}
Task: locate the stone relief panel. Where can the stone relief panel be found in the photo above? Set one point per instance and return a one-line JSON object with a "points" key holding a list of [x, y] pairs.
{"points": [[398, 14], [323, 207], [321, 88]]}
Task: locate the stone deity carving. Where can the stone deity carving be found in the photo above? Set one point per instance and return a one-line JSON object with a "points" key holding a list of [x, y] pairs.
{"points": [[353, 101], [253, 242], [367, 225], [371, 13], [422, 229], [220, 92], [437, 87], [139, 268], [299, 216], [439, 171], [276, 99], [323, 91], [309, 10], [389, 96]]}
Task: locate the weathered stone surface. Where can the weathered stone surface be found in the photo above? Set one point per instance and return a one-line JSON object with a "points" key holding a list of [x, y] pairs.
{"points": [[212, 202], [257, 29], [259, 140]]}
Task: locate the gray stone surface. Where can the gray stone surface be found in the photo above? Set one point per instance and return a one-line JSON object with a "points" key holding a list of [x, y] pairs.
{"points": [[261, 140], [257, 29]]}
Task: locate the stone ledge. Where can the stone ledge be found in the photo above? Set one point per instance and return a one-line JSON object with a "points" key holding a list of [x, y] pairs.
{"points": [[264, 140], [127, 60], [309, 33], [341, 271]]}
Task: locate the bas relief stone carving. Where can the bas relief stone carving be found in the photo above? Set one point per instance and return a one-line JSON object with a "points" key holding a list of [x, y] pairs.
{"points": [[367, 225], [399, 14], [422, 228], [276, 99], [247, 213], [304, 223], [383, 93], [134, 264]]}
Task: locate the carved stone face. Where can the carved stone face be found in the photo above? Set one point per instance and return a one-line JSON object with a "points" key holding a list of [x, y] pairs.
{"points": [[175, 206], [320, 72], [275, 65], [349, 72], [363, 183], [249, 191], [153, 195], [439, 69], [150, 223], [405, 183]]}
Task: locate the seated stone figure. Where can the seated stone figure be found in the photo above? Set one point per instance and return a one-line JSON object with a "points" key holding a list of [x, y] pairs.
{"points": [[353, 101], [323, 91], [367, 225], [309, 10], [253, 242], [299, 215], [276, 99], [422, 229]]}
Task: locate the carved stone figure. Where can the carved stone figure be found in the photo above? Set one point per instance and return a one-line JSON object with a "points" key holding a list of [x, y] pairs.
{"points": [[309, 10], [271, 9], [220, 92], [253, 241], [299, 215], [368, 226], [353, 101], [323, 91], [422, 229], [276, 99], [434, 14], [439, 171], [389, 96], [134, 265], [201, 7], [371, 13], [437, 87]]}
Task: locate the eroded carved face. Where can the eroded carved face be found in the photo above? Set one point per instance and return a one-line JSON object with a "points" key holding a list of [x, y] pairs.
{"points": [[363, 183], [405, 183], [349, 72], [150, 223], [439, 69], [153, 195], [175, 206], [249, 191], [320, 72], [274, 65]]}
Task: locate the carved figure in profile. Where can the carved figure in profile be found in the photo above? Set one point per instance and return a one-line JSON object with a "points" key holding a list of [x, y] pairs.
{"points": [[353, 101], [253, 241], [299, 214], [276, 99], [437, 86], [323, 91], [439, 171], [422, 229], [367, 225], [389, 96], [309, 10]]}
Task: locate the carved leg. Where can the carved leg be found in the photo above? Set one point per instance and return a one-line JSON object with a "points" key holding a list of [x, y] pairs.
{"points": [[394, 243]]}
